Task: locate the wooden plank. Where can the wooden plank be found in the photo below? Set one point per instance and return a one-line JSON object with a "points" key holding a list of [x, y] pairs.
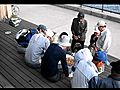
{"points": [[13, 53], [66, 81], [12, 64], [10, 54], [26, 78], [62, 85], [14, 74], [20, 68], [10, 78], [4, 83], [52, 84]]}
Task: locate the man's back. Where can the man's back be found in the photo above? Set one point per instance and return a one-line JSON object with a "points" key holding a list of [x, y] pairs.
{"points": [[49, 64], [36, 47], [83, 73]]}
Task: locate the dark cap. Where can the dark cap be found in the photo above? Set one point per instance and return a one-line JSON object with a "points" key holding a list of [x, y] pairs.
{"points": [[80, 15], [63, 33], [77, 47], [43, 27], [116, 66]]}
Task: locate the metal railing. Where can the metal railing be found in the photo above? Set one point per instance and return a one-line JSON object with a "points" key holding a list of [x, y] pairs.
{"points": [[15, 10], [113, 8]]}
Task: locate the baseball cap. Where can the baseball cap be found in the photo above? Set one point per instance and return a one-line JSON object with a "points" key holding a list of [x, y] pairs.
{"points": [[101, 56], [43, 27], [80, 15]]}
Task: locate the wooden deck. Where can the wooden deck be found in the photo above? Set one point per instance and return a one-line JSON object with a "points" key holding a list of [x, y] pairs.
{"points": [[13, 71]]}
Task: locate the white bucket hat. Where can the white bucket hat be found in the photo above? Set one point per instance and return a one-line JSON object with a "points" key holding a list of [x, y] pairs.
{"points": [[49, 32], [101, 23], [83, 54], [96, 30], [64, 41]]}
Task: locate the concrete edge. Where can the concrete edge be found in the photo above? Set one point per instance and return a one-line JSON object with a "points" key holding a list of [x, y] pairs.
{"points": [[98, 14], [113, 58]]}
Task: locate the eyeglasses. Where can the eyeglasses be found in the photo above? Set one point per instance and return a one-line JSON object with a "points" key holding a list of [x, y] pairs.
{"points": [[102, 26]]}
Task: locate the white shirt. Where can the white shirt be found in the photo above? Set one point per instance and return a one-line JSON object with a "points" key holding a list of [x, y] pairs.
{"points": [[104, 40], [85, 69], [37, 46], [82, 54]]}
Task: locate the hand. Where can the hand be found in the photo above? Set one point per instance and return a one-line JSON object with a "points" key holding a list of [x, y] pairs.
{"points": [[95, 48], [78, 36], [75, 37]]}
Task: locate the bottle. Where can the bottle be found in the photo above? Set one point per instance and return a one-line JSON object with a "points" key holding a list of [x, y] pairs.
{"points": [[100, 67]]}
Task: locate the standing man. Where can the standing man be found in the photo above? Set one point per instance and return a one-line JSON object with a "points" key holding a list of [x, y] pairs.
{"points": [[104, 39], [78, 29]]}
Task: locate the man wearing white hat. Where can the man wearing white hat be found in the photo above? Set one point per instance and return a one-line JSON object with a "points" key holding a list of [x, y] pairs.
{"points": [[56, 52], [86, 68], [104, 40]]}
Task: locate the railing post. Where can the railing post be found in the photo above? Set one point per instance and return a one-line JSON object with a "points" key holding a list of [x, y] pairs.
{"points": [[80, 5], [102, 7]]}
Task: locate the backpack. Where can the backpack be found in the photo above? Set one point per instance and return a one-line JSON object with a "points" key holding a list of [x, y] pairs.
{"points": [[14, 21], [23, 36]]}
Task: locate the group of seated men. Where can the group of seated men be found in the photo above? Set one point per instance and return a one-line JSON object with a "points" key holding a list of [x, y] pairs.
{"points": [[46, 49]]}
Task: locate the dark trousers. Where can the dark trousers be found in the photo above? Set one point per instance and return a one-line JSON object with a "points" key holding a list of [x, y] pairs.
{"points": [[55, 78], [77, 41], [34, 66]]}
